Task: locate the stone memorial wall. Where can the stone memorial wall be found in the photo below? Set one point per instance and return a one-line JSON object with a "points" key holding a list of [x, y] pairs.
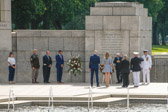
{"points": [[114, 27], [71, 42], [111, 27], [5, 25], [6, 38]]}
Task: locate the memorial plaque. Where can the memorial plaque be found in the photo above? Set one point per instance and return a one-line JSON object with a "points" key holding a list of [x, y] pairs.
{"points": [[108, 41], [4, 25], [111, 41]]}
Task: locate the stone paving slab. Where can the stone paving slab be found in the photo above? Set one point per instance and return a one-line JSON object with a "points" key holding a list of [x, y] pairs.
{"points": [[80, 89], [110, 99], [76, 94], [16, 102]]}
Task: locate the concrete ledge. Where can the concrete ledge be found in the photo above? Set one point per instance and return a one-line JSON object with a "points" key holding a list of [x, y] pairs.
{"points": [[27, 33], [18, 104], [100, 103], [129, 11], [56, 33], [118, 4], [160, 56], [101, 11]]}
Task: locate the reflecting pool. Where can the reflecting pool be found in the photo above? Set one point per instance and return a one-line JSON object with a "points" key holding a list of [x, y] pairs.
{"points": [[136, 107]]}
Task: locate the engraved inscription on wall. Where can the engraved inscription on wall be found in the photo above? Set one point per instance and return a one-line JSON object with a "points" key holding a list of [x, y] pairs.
{"points": [[3, 25], [109, 42]]}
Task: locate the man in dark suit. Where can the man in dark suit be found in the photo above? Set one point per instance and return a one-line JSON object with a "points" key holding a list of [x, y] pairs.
{"points": [[47, 63], [94, 67], [59, 65], [117, 62]]}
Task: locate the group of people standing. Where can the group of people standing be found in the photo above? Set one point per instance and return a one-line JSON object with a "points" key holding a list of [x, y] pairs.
{"points": [[122, 65], [35, 65], [123, 68], [47, 64]]}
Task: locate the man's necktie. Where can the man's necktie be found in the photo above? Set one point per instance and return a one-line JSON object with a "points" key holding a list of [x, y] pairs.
{"points": [[61, 57]]}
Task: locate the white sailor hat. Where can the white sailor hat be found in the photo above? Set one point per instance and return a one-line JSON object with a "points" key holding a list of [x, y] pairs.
{"points": [[145, 50], [136, 53], [117, 53]]}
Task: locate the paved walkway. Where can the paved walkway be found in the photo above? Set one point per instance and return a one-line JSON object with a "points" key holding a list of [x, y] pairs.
{"points": [[79, 89], [76, 94]]}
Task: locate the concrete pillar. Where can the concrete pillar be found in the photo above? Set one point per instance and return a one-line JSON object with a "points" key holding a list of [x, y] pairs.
{"points": [[117, 27], [5, 25], [6, 38]]}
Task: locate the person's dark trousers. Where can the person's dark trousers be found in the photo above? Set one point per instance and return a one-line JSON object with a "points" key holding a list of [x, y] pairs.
{"points": [[11, 73], [46, 73], [125, 77], [59, 74], [48, 76], [119, 77], [97, 76]]}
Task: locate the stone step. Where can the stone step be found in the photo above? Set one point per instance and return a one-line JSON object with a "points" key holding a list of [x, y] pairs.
{"points": [[99, 102], [16, 103], [118, 4], [140, 95], [83, 97], [118, 11], [5, 99], [119, 23], [112, 99]]}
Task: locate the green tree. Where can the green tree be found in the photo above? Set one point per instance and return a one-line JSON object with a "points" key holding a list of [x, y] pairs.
{"points": [[26, 12], [70, 14], [50, 14], [163, 22]]}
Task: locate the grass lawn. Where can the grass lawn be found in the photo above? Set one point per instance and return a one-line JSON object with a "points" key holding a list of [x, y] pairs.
{"points": [[159, 49]]}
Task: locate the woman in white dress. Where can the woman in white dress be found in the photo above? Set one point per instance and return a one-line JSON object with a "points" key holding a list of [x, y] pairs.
{"points": [[108, 64], [12, 66]]}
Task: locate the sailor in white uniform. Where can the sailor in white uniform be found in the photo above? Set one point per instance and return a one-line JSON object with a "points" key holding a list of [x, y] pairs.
{"points": [[146, 66], [136, 68]]}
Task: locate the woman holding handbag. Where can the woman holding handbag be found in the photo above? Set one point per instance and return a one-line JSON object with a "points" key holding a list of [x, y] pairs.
{"points": [[108, 64]]}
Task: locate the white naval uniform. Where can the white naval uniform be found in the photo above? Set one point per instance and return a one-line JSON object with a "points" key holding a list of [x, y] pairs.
{"points": [[146, 64], [136, 77]]}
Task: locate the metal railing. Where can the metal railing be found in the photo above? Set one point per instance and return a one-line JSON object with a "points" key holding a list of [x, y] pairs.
{"points": [[128, 100], [51, 100], [11, 95], [167, 99], [90, 99]]}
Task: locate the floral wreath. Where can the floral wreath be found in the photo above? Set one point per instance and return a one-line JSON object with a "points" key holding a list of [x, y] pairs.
{"points": [[74, 65]]}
